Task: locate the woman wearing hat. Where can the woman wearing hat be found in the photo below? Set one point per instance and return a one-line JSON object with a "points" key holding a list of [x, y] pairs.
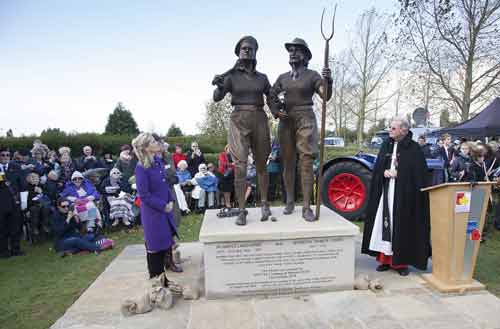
{"points": [[248, 126], [292, 102], [82, 193]]}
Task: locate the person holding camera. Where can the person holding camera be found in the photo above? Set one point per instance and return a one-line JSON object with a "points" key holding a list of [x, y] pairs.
{"points": [[66, 226], [88, 160], [194, 158]]}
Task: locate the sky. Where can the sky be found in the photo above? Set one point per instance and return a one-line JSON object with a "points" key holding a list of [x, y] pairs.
{"points": [[67, 63]]}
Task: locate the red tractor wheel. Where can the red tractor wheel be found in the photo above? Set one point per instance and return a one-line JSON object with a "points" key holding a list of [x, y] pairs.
{"points": [[345, 189]]}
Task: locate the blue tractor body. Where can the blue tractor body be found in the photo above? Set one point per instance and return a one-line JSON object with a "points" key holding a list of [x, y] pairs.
{"points": [[346, 182]]}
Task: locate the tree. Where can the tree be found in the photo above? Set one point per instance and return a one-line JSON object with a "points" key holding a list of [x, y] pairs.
{"points": [[380, 125], [52, 133], [121, 122], [174, 131], [371, 64], [444, 119], [216, 120], [457, 42], [338, 106]]}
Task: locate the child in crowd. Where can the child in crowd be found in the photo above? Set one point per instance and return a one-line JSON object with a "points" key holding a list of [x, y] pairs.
{"points": [[178, 155]]}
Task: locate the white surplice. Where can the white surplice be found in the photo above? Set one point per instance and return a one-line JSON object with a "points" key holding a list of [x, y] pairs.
{"points": [[376, 242]]}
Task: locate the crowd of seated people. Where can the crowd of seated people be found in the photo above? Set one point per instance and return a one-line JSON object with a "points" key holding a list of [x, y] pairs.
{"points": [[40, 182], [99, 189]]}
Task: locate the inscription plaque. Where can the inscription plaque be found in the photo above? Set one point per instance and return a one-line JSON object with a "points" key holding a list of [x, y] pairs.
{"points": [[278, 267]]}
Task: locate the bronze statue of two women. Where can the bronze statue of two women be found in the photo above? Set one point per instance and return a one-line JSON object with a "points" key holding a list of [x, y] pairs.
{"points": [[291, 100]]}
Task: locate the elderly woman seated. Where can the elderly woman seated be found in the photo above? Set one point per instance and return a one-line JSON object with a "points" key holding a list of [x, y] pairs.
{"points": [[184, 177], [205, 183], [119, 199], [82, 194], [38, 205]]}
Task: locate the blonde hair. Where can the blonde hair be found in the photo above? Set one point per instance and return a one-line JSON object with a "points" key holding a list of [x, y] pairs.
{"points": [[140, 143]]}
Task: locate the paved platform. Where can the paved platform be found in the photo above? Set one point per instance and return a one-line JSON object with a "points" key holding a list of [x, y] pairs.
{"points": [[404, 303]]}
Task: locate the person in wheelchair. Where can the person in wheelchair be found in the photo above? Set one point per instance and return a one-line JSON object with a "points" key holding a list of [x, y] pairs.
{"points": [[205, 186], [184, 177], [66, 226], [117, 198], [39, 204], [83, 195]]}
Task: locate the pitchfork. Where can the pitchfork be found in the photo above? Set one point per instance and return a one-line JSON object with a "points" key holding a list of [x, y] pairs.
{"points": [[323, 112]]}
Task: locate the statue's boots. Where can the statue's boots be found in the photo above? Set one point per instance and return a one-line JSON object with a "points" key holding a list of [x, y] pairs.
{"points": [[308, 214], [265, 211], [289, 207], [242, 217]]}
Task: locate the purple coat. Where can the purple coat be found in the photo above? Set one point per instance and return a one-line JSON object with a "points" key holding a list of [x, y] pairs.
{"points": [[155, 193]]}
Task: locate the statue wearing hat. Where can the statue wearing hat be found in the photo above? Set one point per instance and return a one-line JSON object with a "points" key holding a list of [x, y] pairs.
{"points": [[248, 126], [292, 102]]}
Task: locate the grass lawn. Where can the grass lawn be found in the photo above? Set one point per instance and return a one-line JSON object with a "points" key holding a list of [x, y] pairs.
{"points": [[36, 289]]}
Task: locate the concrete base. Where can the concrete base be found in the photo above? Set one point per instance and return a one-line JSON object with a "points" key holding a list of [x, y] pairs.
{"points": [[286, 257], [404, 303], [448, 288]]}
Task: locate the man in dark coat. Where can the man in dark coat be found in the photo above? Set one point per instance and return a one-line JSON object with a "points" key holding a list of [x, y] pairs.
{"points": [[447, 153], [88, 160], [397, 226], [426, 148], [11, 220]]}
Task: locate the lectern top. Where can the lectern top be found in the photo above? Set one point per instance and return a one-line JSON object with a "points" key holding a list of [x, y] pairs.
{"points": [[435, 187]]}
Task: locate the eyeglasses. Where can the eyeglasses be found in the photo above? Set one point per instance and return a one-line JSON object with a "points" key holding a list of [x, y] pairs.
{"points": [[77, 178], [5, 154], [64, 206]]}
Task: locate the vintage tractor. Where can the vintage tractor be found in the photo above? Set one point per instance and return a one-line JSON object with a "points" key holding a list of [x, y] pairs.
{"points": [[346, 183]]}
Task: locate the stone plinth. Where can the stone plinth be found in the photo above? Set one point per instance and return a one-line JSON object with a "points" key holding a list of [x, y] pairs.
{"points": [[289, 256]]}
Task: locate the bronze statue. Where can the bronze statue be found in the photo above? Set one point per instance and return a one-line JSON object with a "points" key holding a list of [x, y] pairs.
{"points": [[248, 126], [292, 103]]}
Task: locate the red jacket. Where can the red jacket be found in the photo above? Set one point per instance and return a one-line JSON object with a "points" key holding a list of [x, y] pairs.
{"points": [[178, 157], [224, 163]]}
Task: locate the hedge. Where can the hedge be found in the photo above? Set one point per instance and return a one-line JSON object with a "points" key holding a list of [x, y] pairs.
{"points": [[106, 143]]}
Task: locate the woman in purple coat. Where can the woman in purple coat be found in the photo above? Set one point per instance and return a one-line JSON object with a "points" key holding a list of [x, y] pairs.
{"points": [[157, 202]]}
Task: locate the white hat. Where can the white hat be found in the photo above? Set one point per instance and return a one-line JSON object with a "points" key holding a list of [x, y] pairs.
{"points": [[76, 174]]}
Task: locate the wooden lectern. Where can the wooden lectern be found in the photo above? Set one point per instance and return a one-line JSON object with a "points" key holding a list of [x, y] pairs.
{"points": [[458, 212]]}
